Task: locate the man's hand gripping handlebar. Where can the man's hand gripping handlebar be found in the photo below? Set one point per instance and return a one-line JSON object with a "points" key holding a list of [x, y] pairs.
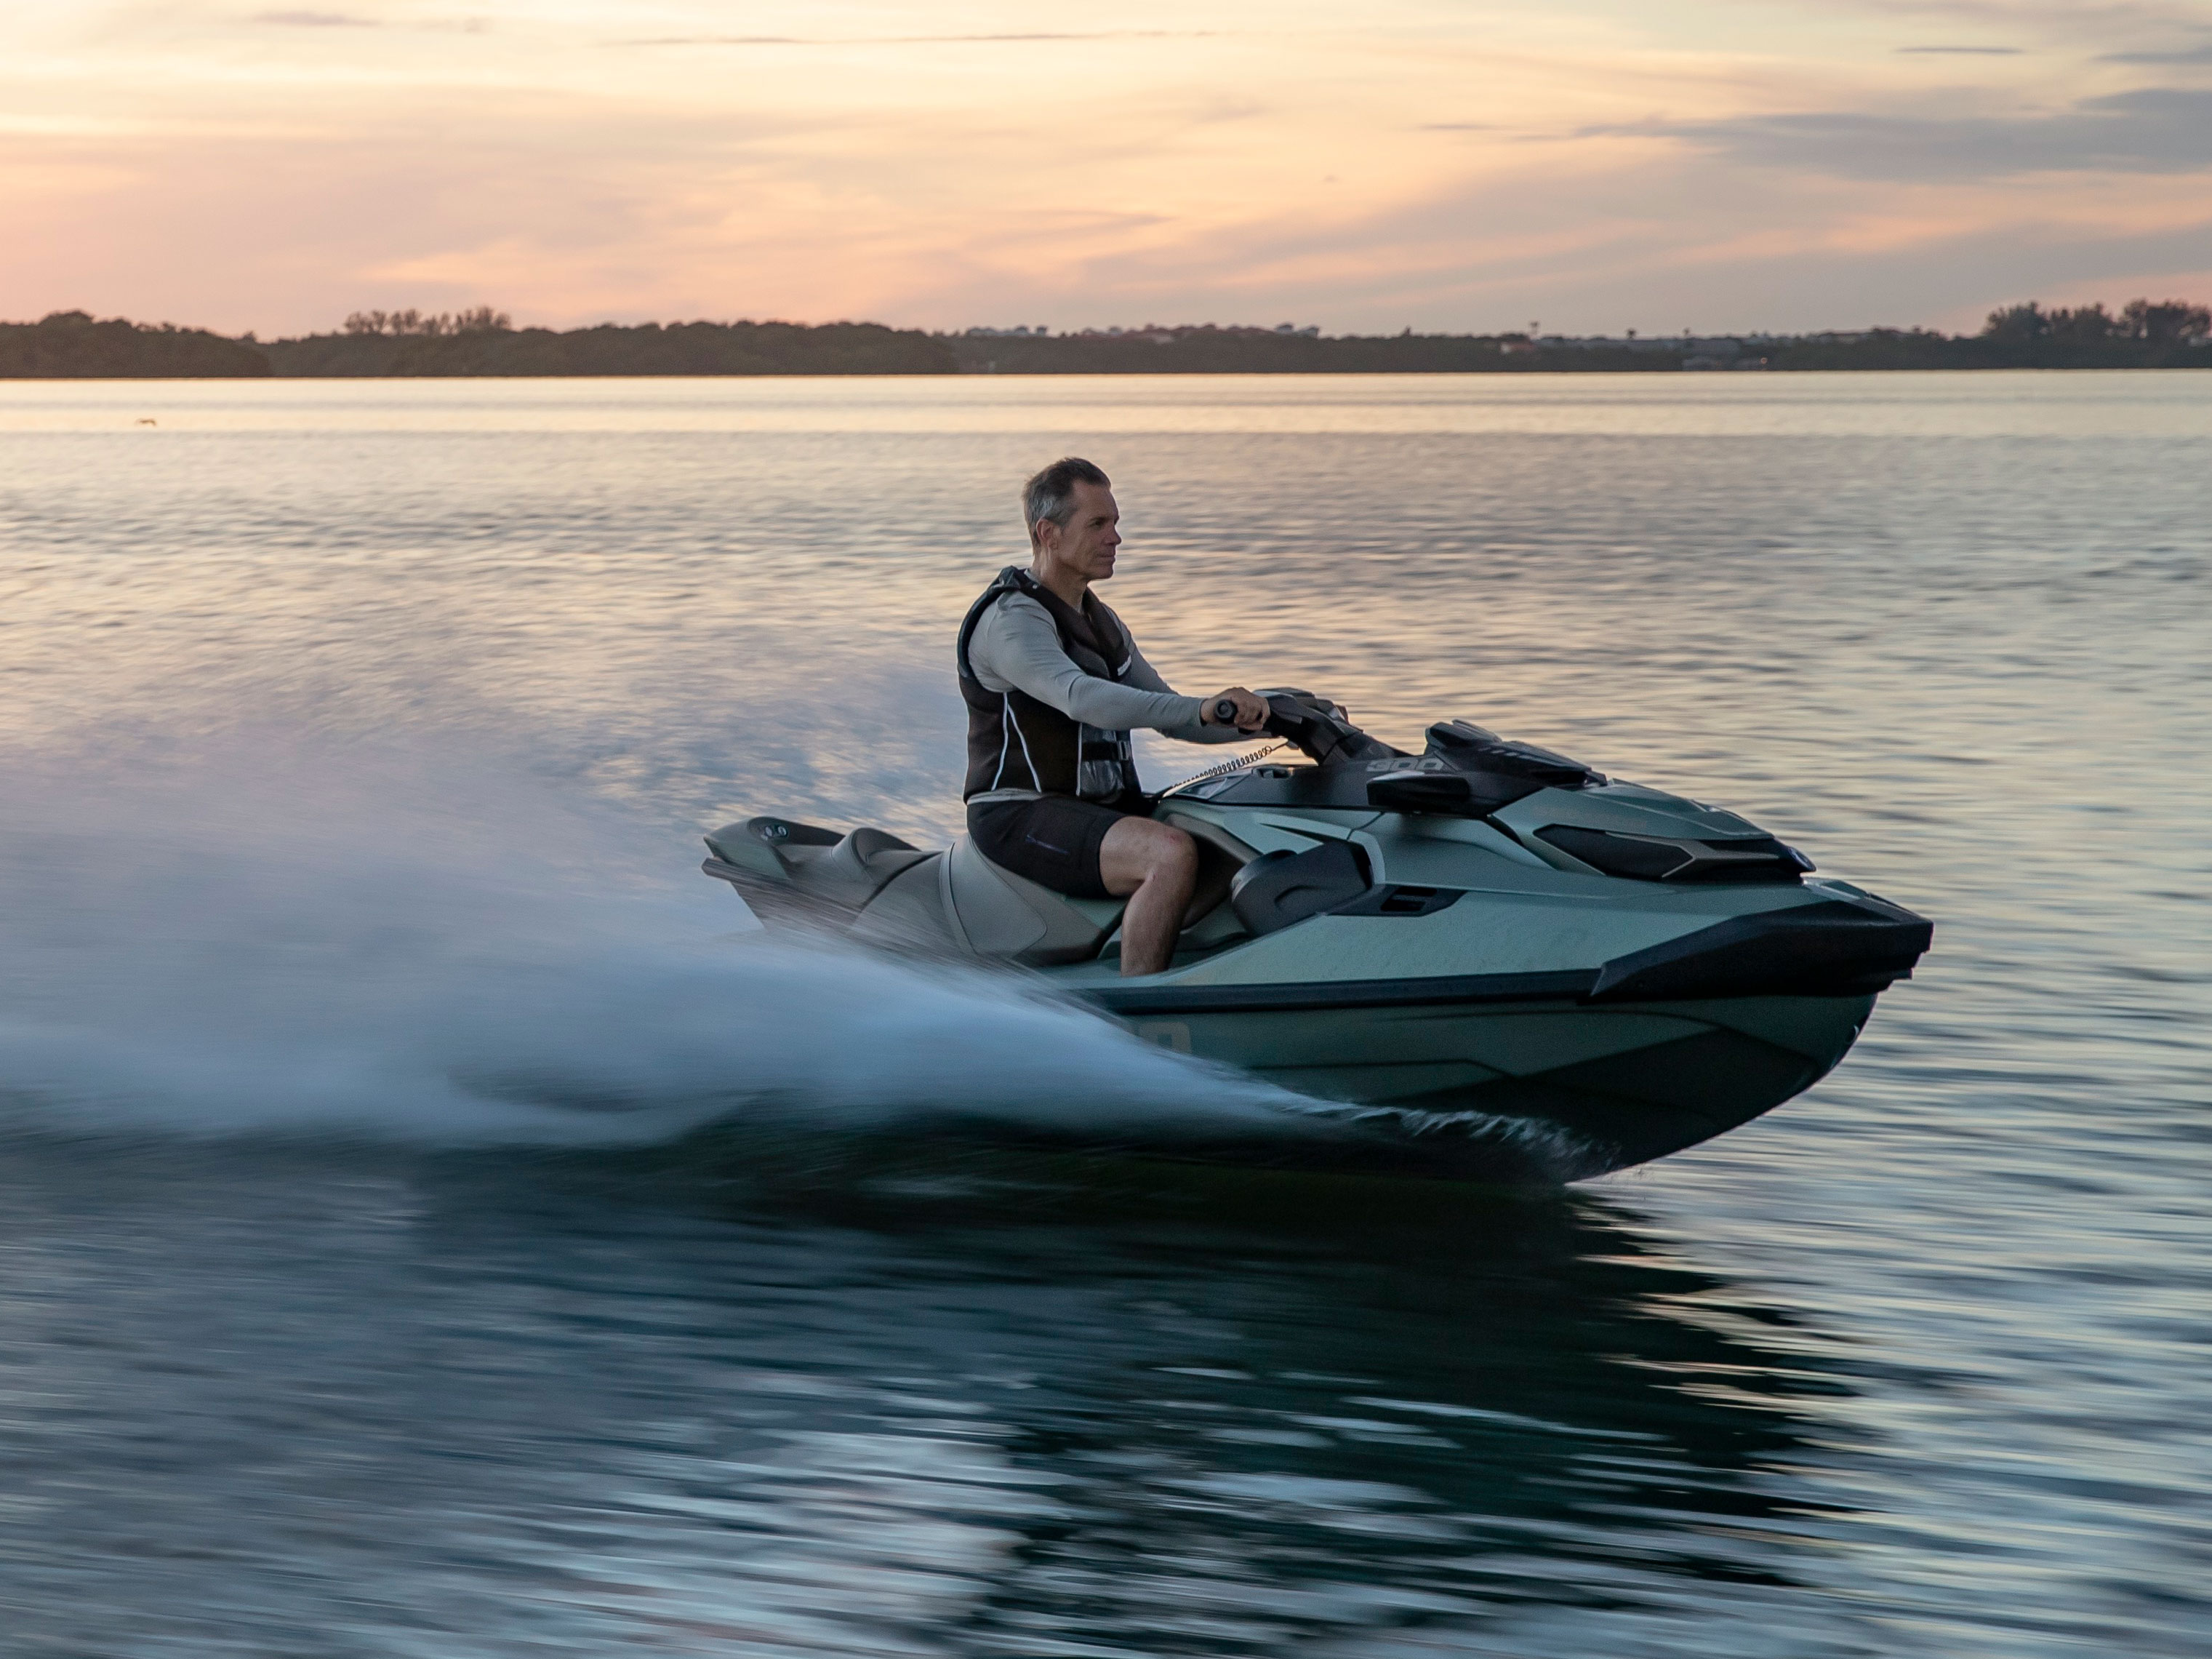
{"points": [[1236, 707]]}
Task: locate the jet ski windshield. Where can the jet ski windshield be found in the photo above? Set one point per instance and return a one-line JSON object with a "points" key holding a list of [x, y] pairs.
{"points": [[1466, 747]]}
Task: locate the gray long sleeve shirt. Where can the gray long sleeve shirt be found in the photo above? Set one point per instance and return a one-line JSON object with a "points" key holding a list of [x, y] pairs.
{"points": [[1016, 646]]}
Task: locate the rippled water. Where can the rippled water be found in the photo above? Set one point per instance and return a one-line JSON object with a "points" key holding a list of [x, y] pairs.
{"points": [[431, 1228]]}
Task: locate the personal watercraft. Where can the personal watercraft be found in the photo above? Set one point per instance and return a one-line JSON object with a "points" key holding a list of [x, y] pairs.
{"points": [[1480, 946]]}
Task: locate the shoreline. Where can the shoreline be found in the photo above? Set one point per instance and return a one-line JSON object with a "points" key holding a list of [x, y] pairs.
{"points": [[483, 344], [7, 378]]}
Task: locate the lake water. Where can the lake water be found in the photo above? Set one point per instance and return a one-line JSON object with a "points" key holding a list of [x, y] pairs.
{"points": [[428, 1226]]}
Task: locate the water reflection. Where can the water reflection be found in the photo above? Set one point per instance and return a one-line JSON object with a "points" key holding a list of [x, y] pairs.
{"points": [[1279, 1406], [1029, 1406]]}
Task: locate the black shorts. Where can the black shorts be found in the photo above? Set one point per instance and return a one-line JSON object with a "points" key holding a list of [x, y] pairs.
{"points": [[1054, 839]]}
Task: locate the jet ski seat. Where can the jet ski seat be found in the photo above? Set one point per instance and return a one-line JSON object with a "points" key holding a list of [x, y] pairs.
{"points": [[997, 913], [1000, 913]]}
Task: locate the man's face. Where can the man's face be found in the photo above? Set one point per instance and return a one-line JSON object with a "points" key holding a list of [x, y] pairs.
{"points": [[1085, 545]]}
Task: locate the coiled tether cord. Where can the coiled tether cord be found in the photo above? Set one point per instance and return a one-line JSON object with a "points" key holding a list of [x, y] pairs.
{"points": [[1231, 764]]}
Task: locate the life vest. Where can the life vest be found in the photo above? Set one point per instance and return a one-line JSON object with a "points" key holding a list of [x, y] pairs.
{"points": [[1016, 742]]}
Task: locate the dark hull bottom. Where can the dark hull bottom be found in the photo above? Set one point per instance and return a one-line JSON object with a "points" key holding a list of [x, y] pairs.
{"points": [[1549, 1092]]}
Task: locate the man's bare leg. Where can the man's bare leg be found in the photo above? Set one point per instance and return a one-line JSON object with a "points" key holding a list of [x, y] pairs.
{"points": [[1156, 865]]}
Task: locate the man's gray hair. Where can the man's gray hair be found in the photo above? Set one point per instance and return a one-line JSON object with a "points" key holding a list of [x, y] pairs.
{"points": [[1050, 496]]}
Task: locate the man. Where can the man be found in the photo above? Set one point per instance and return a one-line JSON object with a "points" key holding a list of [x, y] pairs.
{"points": [[1054, 684]]}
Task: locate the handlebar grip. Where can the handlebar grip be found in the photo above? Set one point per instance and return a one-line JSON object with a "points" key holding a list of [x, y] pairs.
{"points": [[1225, 710]]}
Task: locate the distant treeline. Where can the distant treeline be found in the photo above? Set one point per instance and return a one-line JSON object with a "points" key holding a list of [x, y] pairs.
{"points": [[408, 345], [70, 344], [2144, 334], [1212, 350]]}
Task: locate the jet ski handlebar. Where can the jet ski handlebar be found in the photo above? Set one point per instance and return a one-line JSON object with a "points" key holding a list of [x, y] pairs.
{"points": [[1318, 727]]}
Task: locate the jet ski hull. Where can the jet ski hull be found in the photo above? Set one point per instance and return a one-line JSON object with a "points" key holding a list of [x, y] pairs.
{"points": [[1700, 1022], [1457, 1083]]}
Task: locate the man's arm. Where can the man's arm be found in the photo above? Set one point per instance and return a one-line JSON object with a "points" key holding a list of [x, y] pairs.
{"points": [[1015, 644], [1144, 676]]}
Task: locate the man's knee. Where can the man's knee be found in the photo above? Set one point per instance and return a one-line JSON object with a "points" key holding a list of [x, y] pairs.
{"points": [[1170, 856], [1159, 850], [1178, 852]]}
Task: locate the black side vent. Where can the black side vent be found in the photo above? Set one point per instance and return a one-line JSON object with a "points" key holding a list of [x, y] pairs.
{"points": [[1655, 858], [1401, 901]]}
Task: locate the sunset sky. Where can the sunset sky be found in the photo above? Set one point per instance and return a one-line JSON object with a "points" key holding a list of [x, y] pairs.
{"points": [[1459, 164]]}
